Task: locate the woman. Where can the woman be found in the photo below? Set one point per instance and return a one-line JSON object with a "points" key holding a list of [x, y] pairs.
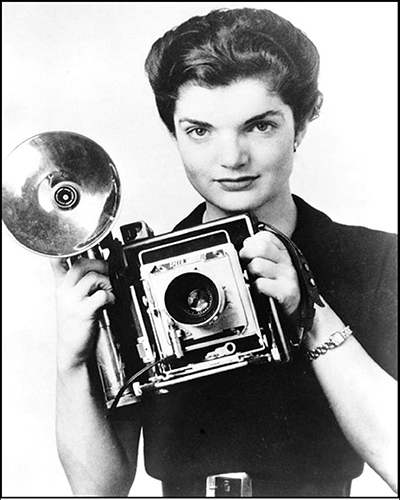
{"points": [[237, 89]]}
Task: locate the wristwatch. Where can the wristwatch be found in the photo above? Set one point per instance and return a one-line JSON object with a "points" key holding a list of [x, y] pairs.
{"points": [[335, 340]]}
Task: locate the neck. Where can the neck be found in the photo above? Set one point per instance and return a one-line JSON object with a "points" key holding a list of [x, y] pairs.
{"points": [[280, 213]]}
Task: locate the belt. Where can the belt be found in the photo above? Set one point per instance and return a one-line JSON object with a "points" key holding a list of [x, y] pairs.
{"points": [[242, 485]]}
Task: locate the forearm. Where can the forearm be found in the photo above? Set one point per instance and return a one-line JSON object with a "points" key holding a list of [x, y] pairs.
{"points": [[90, 451], [362, 395]]}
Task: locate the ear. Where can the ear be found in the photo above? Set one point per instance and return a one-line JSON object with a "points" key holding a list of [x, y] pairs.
{"points": [[300, 136], [172, 135]]}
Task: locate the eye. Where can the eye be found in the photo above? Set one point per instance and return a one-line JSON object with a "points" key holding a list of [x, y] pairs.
{"points": [[262, 126], [197, 133]]}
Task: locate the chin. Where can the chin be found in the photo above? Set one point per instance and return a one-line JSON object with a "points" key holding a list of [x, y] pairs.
{"points": [[245, 204], [227, 209]]}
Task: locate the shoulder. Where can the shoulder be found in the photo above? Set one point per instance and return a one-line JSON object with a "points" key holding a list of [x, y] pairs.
{"points": [[316, 229], [364, 243], [353, 259]]}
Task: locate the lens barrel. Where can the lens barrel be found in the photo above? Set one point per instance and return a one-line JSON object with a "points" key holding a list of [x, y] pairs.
{"points": [[193, 299]]}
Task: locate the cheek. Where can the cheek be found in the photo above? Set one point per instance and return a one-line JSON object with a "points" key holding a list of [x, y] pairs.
{"points": [[196, 174], [196, 161], [191, 166], [276, 157]]}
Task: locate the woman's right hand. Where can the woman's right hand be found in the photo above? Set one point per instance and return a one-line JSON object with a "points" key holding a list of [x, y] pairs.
{"points": [[81, 292]]}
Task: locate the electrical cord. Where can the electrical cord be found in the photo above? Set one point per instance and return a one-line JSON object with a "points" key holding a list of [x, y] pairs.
{"points": [[133, 378]]}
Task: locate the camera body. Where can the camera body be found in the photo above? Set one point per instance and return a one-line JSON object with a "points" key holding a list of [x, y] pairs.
{"points": [[191, 308]]}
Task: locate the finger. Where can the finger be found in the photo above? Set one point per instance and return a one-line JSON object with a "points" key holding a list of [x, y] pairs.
{"points": [[270, 237], [100, 299], [253, 249], [91, 282], [285, 292], [264, 245], [269, 287], [260, 267], [83, 266]]}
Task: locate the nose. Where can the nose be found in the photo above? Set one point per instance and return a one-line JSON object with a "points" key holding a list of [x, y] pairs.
{"points": [[232, 152]]}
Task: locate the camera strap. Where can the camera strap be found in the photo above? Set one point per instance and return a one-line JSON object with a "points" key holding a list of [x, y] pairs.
{"points": [[309, 294]]}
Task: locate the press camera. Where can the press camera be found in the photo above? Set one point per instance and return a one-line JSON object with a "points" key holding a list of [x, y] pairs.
{"points": [[193, 312]]}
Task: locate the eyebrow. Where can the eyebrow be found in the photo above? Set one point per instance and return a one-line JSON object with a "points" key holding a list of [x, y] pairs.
{"points": [[264, 115], [255, 118]]}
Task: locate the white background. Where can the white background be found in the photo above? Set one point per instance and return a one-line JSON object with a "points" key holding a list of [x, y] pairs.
{"points": [[78, 66]]}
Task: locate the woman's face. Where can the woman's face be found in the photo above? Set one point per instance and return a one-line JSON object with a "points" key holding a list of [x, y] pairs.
{"points": [[236, 144]]}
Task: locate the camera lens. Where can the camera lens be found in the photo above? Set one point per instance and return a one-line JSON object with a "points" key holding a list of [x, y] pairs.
{"points": [[193, 299]]}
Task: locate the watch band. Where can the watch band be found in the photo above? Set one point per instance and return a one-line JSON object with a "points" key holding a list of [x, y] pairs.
{"points": [[335, 340]]}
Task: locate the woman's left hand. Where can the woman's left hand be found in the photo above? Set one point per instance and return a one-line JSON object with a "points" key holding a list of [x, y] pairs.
{"points": [[271, 270]]}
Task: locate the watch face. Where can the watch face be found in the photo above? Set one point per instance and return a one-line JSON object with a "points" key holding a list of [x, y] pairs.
{"points": [[337, 338]]}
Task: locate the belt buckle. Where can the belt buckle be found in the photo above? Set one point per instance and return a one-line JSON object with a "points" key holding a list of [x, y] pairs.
{"points": [[233, 484]]}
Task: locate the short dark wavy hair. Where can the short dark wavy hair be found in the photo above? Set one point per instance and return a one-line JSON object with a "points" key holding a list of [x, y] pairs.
{"points": [[228, 45]]}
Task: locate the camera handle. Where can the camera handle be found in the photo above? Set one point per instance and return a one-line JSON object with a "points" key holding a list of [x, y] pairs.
{"points": [[109, 362]]}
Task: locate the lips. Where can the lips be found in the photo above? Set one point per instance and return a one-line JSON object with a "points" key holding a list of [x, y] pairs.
{"points": [[236, 184]]}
